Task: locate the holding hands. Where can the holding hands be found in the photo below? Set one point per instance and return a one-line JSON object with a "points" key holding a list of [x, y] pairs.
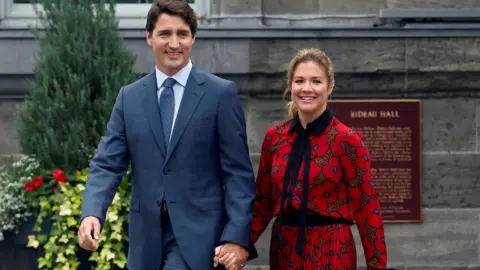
{"points": [[232, 256]]}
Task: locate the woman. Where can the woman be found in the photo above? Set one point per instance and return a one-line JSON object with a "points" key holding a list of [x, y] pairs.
{"points": [[314, 177]]}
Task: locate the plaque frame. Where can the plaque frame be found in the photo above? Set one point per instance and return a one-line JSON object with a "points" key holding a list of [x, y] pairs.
{"points": [[416, 174]]}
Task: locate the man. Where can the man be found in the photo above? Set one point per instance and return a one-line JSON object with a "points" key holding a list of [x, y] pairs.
{"points": [[183, 130]]}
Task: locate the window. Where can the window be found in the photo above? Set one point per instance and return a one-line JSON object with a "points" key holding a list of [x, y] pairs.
{"points": [[131, 13]]}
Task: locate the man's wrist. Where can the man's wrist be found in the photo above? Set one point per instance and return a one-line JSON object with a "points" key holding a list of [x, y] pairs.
{"points": [[232, 243]]}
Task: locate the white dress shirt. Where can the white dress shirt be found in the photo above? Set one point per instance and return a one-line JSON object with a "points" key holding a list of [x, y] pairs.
{"points": [[181, 78]]}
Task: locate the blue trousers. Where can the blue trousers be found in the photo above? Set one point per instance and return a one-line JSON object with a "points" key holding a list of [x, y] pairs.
{"points": [[173, 259]]}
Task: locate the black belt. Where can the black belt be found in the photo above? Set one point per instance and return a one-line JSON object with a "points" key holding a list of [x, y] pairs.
{"points": [[292, 218]]}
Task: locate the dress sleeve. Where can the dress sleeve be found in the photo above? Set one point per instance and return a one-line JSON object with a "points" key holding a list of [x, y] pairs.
{"points": [[364, 200], [264, 204]]}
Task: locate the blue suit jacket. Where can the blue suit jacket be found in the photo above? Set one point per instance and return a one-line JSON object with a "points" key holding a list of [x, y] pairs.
{"points": [[206, 174]]}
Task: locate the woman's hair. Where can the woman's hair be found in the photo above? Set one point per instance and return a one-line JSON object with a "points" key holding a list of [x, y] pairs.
{"points": [[306, 55]]}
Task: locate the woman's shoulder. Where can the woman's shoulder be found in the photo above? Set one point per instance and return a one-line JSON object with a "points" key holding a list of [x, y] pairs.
{"points": [[276, 133], [279, 127], [346, 133]]}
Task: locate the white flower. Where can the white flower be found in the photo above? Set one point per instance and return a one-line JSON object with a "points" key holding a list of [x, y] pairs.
{"points": [[13, 204]]}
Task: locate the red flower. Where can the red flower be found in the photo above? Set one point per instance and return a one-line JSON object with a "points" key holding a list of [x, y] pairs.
{"points": [[29, 186], [37, 181], [59, 176]]}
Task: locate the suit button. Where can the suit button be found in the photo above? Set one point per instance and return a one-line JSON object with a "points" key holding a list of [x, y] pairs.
{"points": [[166, 171]]}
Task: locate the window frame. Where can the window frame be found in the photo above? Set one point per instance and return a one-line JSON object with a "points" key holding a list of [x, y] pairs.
{"points": [[130, 16]]}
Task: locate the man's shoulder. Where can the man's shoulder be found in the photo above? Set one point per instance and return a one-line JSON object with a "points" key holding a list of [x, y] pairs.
{"points": [[214, 80], [137, 84]]}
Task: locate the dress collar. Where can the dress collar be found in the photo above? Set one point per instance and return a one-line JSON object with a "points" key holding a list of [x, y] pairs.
{"points": [[317, 127]]}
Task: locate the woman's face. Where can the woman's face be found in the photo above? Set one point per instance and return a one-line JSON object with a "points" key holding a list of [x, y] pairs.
{"points": [[310, 89]]}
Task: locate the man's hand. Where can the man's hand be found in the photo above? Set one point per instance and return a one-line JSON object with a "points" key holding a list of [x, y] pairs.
{"points": [[88, 226], [232, 256]]}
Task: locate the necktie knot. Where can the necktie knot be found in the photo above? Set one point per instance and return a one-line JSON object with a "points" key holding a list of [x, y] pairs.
{"points": [[169, 82]]}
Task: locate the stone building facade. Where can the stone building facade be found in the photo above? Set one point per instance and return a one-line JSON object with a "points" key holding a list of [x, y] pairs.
{"points": [[381, 49]]}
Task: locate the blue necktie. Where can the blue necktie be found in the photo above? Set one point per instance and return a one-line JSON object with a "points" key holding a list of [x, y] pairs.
{"points": [[167, 108]]}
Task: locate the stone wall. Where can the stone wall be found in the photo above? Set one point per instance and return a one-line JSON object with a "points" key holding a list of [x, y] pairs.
{"points": [[252, 41], [346, 7]]}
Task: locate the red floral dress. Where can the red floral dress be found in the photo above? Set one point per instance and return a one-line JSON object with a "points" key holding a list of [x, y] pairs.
{"points": [[335, 187]]}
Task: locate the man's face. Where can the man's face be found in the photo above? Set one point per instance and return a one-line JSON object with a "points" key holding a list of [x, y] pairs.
{"points": [[171, 41]]}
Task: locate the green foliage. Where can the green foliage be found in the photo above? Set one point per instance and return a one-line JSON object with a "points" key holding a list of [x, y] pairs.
{"points": [[81, 64], [63, 210]]}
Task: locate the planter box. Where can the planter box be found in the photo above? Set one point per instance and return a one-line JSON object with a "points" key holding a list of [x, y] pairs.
{"points": [[14, 253]]}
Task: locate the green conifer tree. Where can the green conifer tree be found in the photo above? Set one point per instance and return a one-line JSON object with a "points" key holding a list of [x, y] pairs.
{"points": [[81, 64]]}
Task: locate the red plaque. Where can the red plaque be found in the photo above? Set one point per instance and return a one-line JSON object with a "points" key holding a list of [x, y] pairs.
{"points": [[391, 131]]}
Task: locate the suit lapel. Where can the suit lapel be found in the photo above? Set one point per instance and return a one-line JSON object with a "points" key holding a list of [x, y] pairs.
{"points": [[191, 97], [152, 111]]}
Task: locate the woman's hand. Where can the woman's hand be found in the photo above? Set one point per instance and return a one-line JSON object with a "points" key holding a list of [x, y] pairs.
{"points": [[226, 258], [229, 260]]}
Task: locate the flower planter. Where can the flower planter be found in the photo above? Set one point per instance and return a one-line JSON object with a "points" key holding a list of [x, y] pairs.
{"points": [[14, 251], [15, 254]]}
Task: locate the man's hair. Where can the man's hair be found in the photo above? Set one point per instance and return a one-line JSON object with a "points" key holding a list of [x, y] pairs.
{"points": [[172, 7]]}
